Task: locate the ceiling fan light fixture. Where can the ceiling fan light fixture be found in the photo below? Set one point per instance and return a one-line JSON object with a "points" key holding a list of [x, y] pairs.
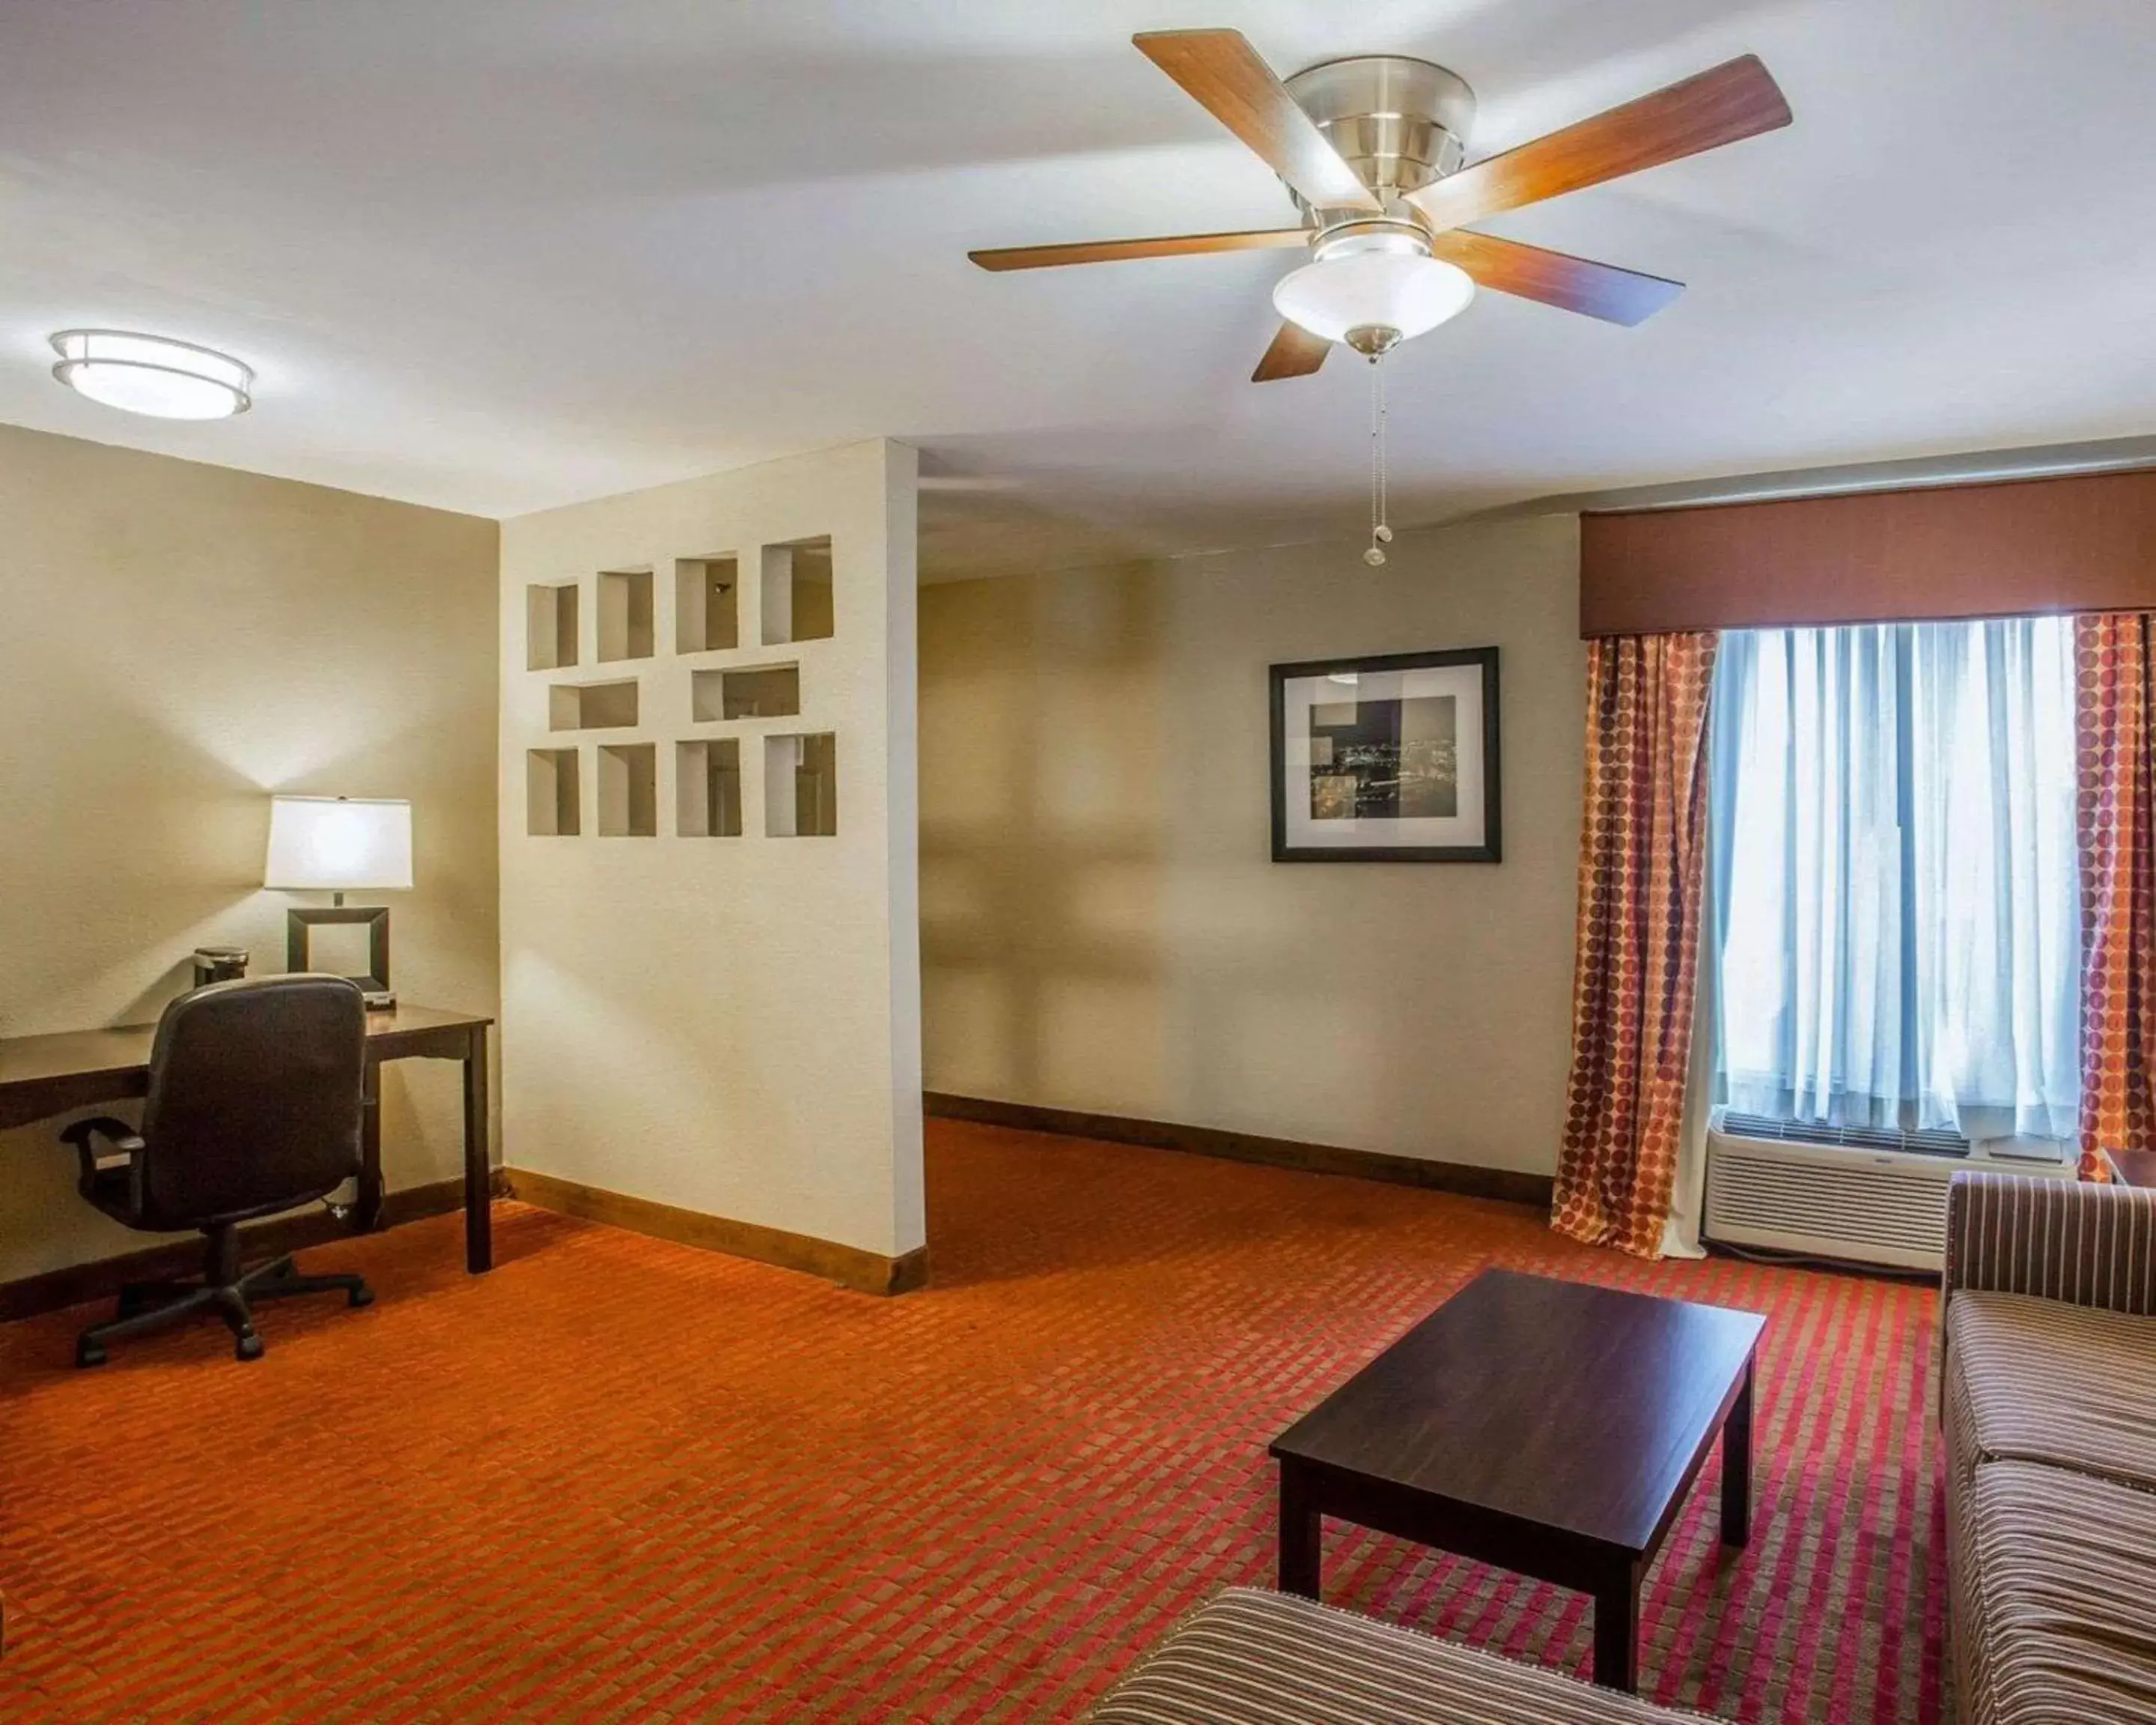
{"points": [[152, 375], [1370, 290], [1350, 239]]}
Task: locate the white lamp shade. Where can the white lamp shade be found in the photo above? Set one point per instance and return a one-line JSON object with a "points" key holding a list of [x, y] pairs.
{"points": [[1386, 290], [149, 374], [339, 844]]}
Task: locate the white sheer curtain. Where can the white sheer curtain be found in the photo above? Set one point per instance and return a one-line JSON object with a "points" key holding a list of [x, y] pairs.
{"points": [[1895, 876]]}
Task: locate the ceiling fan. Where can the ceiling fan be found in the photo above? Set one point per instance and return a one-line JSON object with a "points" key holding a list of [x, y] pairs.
{"points": [[1372, 149]]}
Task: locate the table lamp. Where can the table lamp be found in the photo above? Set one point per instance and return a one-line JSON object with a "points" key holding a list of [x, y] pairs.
{"points": [[341, 844]]}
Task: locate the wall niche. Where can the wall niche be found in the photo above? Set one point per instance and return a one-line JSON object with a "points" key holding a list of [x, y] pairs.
{"points": [[629, 790], [757, 692], [798, 602], [707, 788], [625, 614], [801, 786], [550, 626], [706, 603], [591, 707], [552, 797]]}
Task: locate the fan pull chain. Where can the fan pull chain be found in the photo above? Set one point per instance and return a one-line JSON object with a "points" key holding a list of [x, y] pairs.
{"points": [[1381, 534]]}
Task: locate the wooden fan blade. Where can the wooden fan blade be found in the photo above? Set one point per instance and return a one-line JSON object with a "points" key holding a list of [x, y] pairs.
{"points": [[1600, 290], [1221, 72], [1111, 251], [1738, 98], [1295, 353]]}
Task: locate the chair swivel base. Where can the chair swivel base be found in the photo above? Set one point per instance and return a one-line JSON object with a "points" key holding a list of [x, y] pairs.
{"points": [[148, 1306]]}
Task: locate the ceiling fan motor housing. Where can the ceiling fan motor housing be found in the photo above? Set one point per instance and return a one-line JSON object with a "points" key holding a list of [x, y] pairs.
{"points": [[1399, 122]]}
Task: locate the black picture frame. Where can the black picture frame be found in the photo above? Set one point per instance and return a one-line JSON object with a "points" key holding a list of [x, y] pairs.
{"points": [[1491, 851]]}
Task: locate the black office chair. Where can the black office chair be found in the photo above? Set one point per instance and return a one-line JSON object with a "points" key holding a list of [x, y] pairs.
{"points": [[254, 1107]]}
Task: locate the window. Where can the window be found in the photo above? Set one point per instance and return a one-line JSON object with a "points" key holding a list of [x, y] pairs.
{"points": [[1895, 891]]}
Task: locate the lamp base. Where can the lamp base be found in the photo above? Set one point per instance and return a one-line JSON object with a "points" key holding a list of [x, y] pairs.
{"points": [[299, 924]]}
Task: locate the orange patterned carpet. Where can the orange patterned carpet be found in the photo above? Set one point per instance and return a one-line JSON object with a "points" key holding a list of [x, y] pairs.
{"points": [[619, 1479]]}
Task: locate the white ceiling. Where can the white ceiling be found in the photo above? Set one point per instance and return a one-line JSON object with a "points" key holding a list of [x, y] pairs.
{"points": [[497, 255]]}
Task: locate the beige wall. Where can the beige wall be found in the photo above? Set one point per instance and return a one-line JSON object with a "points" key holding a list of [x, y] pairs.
{"points": [[1101, 926], [177, 641], [726, 1025]]}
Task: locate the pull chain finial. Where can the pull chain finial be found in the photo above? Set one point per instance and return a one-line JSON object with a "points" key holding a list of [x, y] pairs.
{"points": [[1381, 533]]}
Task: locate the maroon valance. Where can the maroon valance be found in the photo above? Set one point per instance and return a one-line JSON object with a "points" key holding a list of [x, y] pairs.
{"points": [[2082, 543]]}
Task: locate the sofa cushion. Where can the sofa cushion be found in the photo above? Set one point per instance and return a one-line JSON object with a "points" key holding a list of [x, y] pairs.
{"points": [[1251, 1658], [2059, 1601], [2039, 1380]]}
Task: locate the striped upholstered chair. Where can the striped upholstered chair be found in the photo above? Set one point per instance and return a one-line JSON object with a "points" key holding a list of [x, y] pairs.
{"points": [[2049, 1409], [1252, 1658]]}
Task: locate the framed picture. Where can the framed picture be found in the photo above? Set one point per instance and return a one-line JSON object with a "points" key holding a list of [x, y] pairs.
{"points": [[1387, 760]]}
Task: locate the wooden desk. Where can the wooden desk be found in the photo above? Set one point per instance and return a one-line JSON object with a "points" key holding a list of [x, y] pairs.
{"points": [[41, 1076]]}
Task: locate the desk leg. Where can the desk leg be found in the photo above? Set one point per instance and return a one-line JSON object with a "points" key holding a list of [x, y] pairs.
{"points": [[1737, 1465], [366, 1206], [1302, 1535], [479, 1172]]}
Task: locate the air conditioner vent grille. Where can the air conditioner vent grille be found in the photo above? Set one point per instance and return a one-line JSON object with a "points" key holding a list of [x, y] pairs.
{"points": [[1935, 1142]]}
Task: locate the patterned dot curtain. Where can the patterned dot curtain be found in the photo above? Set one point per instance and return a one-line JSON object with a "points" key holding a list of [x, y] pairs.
{"points": [[1642, 857], [2114, 726]]}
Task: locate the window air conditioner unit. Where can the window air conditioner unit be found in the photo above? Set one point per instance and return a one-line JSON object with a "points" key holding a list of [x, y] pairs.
{"points": [[1848, 1200]]}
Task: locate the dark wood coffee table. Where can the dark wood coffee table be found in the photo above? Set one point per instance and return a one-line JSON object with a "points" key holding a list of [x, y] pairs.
{"points": [[1547, 1427]]}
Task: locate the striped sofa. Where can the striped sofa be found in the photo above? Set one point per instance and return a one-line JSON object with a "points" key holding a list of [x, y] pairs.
{"points": [[2049, 1407]]}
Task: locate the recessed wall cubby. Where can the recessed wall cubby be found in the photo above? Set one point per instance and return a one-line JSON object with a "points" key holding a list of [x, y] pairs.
{"points": [[550, 626], [762, 691], [629, 790], [625, 614], [706, 603], [707, 793], [797, 592], [801, 786], [552, 797], [591, 707]]}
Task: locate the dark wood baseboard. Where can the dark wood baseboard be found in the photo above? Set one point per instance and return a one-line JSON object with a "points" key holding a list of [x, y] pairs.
{"points": [[1505, 1185], [78, 1283], [866, 1272]]}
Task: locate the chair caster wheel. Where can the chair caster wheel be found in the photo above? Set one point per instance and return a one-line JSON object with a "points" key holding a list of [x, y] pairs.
{"points": [[360, 1297], [247, 1347], [89, 1353]]}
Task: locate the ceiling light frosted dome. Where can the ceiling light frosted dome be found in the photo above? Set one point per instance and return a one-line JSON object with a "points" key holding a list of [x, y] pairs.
{"points": [[1373, 290], [149, 374]]}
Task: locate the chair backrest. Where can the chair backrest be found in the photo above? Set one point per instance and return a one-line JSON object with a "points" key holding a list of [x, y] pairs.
{"points": [[255, 1098]]}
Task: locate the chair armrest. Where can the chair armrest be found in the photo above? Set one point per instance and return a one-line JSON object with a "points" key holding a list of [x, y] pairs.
{"points": [[2058, 1239], [127, 1142]]}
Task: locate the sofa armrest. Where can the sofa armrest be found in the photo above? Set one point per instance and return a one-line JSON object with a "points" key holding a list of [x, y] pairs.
{"points": [[2059, 1239]]}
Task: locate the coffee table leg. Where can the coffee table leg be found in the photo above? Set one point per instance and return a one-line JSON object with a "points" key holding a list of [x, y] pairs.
{"points": [[1617, 1632], [1737, 1466], [1301, 1527]]}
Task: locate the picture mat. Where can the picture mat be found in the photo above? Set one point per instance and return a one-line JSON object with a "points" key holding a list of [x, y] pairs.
{"points": [[1301, 695]]}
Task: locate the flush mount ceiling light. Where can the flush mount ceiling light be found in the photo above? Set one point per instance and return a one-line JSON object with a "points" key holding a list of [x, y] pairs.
{"points": [[149, 374]]}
